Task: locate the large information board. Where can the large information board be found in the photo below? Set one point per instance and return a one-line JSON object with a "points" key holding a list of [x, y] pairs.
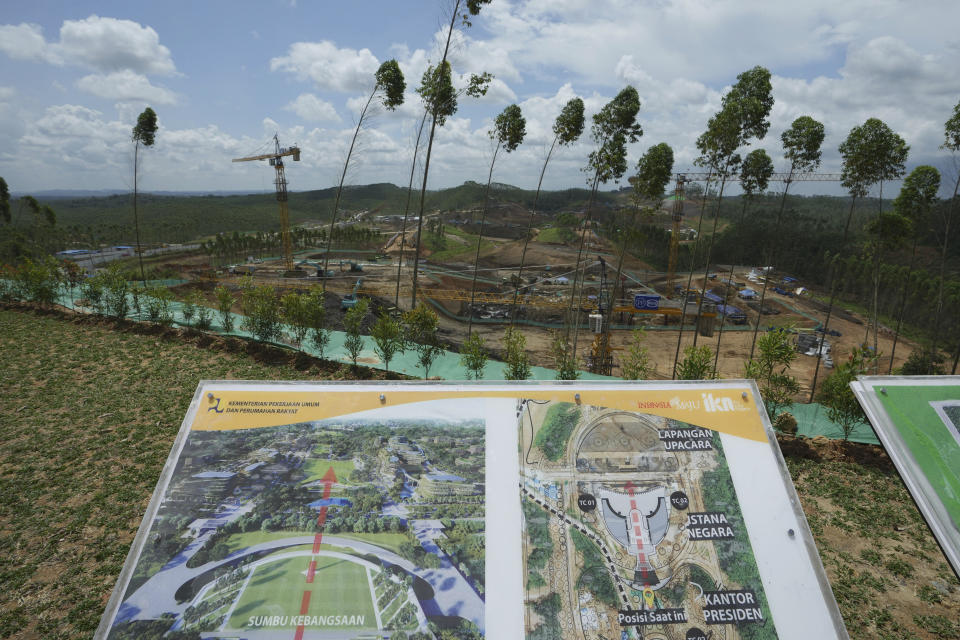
{"points": [[414, 510], [917, 418]]}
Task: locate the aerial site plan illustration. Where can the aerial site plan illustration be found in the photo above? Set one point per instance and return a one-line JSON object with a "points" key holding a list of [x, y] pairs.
{"points": [[418, 511], [658, 539]]}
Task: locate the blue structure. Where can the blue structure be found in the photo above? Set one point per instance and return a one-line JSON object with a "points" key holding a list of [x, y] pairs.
{"points": [[329, 502], [731, 313]]}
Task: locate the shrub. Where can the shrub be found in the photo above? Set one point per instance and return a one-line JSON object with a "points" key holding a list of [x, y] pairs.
{"points": [[159, 307], [262, 313]]}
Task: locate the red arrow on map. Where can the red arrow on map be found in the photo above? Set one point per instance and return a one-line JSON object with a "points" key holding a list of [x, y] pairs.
{"points": [[637, 529], [328, 479]]}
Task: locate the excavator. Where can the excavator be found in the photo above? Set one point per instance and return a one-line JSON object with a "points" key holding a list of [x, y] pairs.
{"points": [[349, 301]]}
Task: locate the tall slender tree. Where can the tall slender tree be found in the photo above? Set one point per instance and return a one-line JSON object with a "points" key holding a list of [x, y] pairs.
{"points": [[744, 115], [801, 146], [389, 81], [870, 153], [441, 105], [4, 201], [613, 127], [951, 142], [914, 203], [508, 132], [144, 135], [755, 172], [566, 130]]}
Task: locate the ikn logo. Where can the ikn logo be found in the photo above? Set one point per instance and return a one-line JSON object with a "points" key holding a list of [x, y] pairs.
{"points": [[712, 404]]}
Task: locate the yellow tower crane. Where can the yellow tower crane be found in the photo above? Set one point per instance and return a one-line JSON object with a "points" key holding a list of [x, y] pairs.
{"points": [[276, 161]]}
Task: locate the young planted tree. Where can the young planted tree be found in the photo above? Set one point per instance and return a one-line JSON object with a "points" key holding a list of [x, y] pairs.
{"points": [[613, 127], [319, 332], [564, 359], [159, 301], [440, 100], [636, 364], [696, 364], [144, 135], [262, 313], [755, 172], [473, 355], [421, 326], [836, 394], [566, 130], [189, 308], [771, 370], [517, 361], [204, 313], [296, 312], [353, 325], [388, 81], [801, 146], [225, 302], [387, 338], [869, 154], [115, 288], [508, 132]]}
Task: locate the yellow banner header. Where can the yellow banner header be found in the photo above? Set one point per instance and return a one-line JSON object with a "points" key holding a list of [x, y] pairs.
{"points": [[727, 410]]}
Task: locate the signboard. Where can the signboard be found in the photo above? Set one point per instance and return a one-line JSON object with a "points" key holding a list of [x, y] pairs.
{"points": [[484, 510], [917, 418], [646, 302]]}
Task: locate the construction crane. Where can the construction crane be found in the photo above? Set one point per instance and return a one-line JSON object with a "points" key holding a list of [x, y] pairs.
{"points": [[276, 161], [683, 178]]}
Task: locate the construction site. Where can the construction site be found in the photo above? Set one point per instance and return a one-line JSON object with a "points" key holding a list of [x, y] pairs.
{"points": [[518, 269]]}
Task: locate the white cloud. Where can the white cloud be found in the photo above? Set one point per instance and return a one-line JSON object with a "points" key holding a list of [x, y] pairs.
{"points": [[125, 86], [109, 44], [25, 42], [104, 44], [328, 66], [311, 108]]}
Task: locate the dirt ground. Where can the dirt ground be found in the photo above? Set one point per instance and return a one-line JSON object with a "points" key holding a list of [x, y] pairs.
{"points": [[734, 345]]}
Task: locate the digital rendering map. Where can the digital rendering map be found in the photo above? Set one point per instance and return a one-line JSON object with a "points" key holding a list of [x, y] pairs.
{"points": [[632, 529], [343, 528]]}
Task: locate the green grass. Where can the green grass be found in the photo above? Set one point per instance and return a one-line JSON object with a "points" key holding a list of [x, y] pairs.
{"points": [[89, 415], [317, 468], [557, 235], [391, 541], [242, 540], [454, 249], [339, 588]]}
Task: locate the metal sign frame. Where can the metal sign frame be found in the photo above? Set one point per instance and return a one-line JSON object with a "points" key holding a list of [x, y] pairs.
{"points": [[799, 594], [871, 392]]}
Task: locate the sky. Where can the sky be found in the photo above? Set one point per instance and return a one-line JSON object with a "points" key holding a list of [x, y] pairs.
{"points": [[225, 75]]}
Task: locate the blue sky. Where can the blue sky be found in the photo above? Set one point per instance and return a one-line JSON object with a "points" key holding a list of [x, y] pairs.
{"points": [[224, 76]]}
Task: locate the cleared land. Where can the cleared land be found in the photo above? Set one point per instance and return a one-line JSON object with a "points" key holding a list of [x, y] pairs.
{"points": [[90, 413], [340, 588]]}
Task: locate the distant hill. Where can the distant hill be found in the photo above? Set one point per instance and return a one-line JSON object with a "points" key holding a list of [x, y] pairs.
{"points": [[183, 216]]}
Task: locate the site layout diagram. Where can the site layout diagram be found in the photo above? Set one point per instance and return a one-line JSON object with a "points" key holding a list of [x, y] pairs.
{"points": [[632, 529], [362, 526]]}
